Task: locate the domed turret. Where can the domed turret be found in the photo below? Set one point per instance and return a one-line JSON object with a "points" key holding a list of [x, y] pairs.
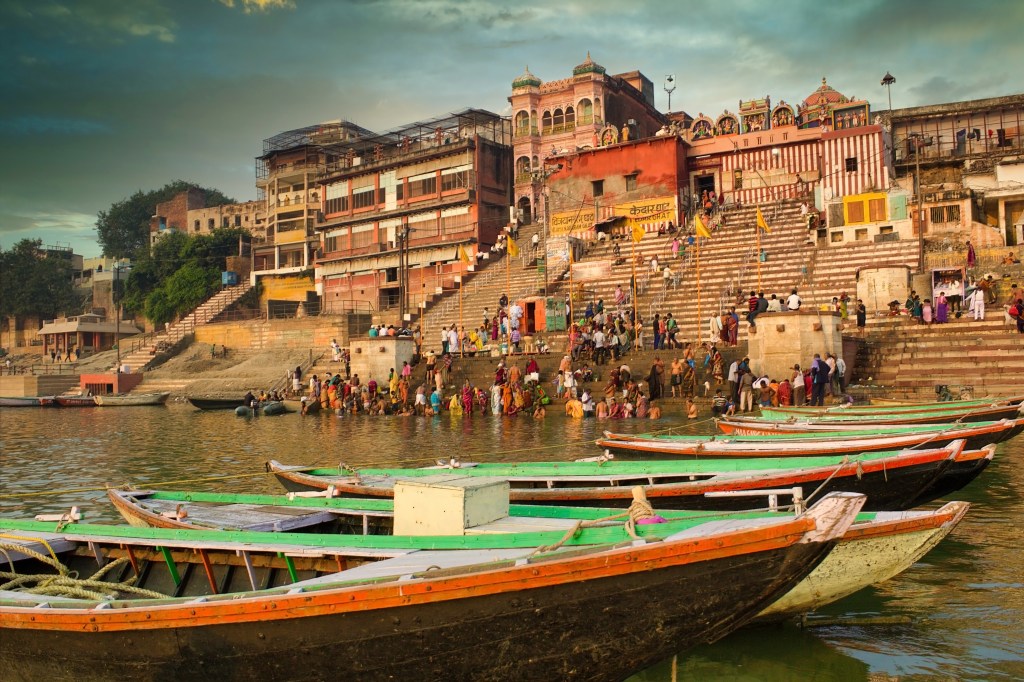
{"points": [[526, 80], [588, 66], [826, 94]]}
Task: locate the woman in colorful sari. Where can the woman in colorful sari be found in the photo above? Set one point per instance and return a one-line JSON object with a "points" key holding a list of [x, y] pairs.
{"points": [[615, 410], [642, 407], [467, 397], [454, 406], [507, 404], [494, 328], [941, 308]]}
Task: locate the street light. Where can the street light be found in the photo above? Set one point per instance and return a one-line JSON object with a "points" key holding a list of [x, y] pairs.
{"points": [[887, 80], [670, 87]]}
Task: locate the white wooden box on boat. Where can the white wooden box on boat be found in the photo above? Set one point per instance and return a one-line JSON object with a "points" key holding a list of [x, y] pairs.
{"points": [[448, 504]]}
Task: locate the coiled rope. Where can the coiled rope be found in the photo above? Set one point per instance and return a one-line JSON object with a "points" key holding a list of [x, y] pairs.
{"points": [[66, 582]]}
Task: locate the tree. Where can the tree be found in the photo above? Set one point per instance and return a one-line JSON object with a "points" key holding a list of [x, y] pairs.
{"points": [[123, 229], [33, 283], [179, 273]]}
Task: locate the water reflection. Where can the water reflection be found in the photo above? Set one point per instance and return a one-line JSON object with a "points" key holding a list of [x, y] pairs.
{"points": [[966, 598]]}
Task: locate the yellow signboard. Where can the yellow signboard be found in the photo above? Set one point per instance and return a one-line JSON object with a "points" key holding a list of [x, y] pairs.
{"points": [[657, 210], [572, 221]]}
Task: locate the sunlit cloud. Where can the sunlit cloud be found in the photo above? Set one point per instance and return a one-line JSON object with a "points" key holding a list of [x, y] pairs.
{"points": [[250, 6]]}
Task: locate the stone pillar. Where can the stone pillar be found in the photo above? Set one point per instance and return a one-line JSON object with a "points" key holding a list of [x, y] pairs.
{"points": [[792, 338], [377, 356]]}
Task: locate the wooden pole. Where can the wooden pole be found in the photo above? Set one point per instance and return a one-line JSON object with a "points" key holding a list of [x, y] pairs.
{"points": [[572, 292], [636, 289], [757, 229], [696, 243]]}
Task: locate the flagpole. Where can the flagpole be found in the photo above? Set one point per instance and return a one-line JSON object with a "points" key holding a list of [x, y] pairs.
{"points": [[462, 351], [572, 317], [697, 247], [635, 289], [757, 229]]}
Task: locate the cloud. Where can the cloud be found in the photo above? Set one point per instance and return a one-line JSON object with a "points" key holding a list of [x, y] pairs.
{"points": [[250, 6], [53, 227], [98, 21]]}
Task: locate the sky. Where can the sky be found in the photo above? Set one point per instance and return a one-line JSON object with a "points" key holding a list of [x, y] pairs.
{"points": [[100, 98]]}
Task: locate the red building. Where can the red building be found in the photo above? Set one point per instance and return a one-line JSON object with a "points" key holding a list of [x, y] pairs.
{"points": [[404, 212]]}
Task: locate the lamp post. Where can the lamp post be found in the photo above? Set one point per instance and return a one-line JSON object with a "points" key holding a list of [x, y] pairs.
{"points": [[887, 80], [116, 300], [670, 87]]}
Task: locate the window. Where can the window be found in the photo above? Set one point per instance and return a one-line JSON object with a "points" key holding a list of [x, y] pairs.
{"points": [[424, 187], [876, 210], [860, 234], [400, 191], [380, 195], [598, 186], [338, 205], [196, 225], [362, 238], [945, 214], [851, 164], [330, 244], [210, 223], [363, 198], [225, 221], [453, 181], [631, 182], [737, 179], [238, 220], [855, 212]]}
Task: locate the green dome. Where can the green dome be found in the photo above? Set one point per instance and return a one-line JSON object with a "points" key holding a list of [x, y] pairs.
{"points": [[589, 66], [526, 80]]}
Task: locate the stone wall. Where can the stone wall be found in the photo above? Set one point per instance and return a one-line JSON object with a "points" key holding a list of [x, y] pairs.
{"points": [[375, 358]]}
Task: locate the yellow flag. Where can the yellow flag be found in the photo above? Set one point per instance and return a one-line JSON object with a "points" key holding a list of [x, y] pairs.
{"points": [[513, 248], [638, 231], [463, 256], [761, 222], [702, 230]]}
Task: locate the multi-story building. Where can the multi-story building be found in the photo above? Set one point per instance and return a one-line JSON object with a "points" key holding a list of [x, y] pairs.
{"points": [[587, 110], [172, 215], [286, 175], [248, 215], [406, 211], [826, 150], [966, 159]]}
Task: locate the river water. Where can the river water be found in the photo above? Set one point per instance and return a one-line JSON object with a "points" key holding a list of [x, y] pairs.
{"points": [[964, 602]]}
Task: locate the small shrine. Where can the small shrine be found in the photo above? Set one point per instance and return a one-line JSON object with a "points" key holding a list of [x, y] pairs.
{"points": [[829, 109], [754, 114]]}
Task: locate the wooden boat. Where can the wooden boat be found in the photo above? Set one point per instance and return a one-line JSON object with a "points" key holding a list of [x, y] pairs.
{"points": [[76, 400], [786, 411], [20, 401], [132, 399], [870, 552], [272, 606], [933, 417], [875, 548], [975, 435], [207, 403], [891, 480]]}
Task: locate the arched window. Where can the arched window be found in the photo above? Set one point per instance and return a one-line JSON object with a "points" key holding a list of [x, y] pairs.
{"points": [[570, 116], [536, 162], [586, 109], [522, 123], [559, 118], [522, 165], [545, 122]]}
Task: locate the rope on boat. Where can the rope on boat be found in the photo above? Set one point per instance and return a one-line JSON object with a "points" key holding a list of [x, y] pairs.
{"points": [[66, 583], [846, 460], [639, 510]]}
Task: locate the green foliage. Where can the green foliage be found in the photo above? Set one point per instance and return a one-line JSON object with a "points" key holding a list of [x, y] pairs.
{"points": [[123, 229], [32, 283], [179, 273]]}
